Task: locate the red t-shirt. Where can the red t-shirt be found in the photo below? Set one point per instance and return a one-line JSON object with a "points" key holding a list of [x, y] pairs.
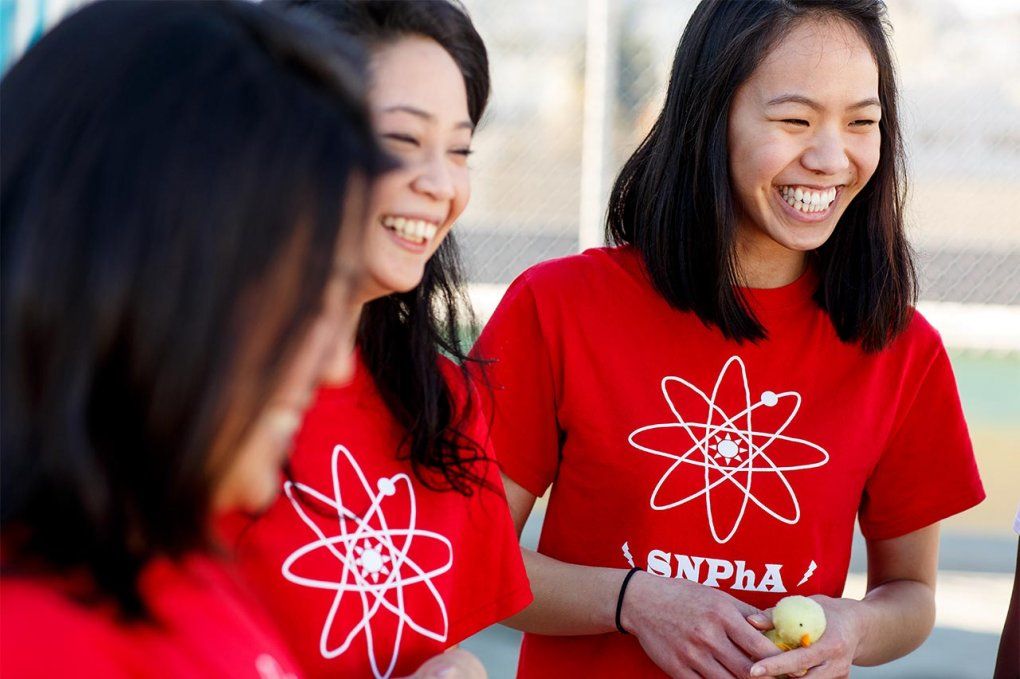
{"points": [[738, 466], [366, 571], [203, 625]]}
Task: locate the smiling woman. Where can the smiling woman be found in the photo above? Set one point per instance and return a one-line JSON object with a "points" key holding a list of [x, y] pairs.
{"points": [[394, 542], [713, 401], [419, 105], [802, 156]]}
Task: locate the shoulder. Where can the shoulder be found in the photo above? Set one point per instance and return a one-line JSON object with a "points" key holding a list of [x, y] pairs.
{"points": [[580, 271], [919, 342], [39, 617]]}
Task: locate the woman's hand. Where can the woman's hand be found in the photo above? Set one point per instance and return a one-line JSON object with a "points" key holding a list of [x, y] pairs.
{"points": [[690, 630], [454, 664], [830, 656]]}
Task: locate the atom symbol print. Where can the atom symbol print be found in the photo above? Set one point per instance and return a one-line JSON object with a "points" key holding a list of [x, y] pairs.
{"points": [[374, 568], [728, 450]]}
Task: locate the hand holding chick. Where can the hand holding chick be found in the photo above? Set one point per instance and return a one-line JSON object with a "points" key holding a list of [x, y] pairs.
{"points": [[797, 621]]}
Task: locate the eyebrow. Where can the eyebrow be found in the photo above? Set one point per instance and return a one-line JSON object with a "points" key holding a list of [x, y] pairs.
{"points": [[799, 99], [425, 115]]}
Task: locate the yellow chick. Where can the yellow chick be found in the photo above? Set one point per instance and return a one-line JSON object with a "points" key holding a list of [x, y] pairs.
{"points": [[798, 621]]}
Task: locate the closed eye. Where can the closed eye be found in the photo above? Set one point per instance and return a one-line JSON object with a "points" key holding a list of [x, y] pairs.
{"points": [[796, 121], [462, 152], [403, 138], [863, 123]]}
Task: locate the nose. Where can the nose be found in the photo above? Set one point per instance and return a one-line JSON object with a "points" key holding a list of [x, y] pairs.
{"points": [[827, 154], [434, 178]]}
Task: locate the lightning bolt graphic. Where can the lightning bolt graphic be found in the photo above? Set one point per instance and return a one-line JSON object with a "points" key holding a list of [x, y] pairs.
{"points": [[808, 573], [627, 555]]}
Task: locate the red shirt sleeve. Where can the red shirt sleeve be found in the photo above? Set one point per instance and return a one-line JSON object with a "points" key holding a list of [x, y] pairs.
{"points": [[500, 586], [43, 634], [928, 472], [522, 401]]}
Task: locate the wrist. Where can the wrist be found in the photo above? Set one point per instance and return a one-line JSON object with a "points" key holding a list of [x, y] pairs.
{"points": [[855, 613], [631, 604]]}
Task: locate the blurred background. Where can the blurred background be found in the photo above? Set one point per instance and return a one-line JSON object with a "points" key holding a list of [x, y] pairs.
{"points": [[577, 83]]}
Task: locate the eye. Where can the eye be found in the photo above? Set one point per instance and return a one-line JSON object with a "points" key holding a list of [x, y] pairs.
{"points": [[863, 123], [796, 121], [465, 152], [402, 138]]}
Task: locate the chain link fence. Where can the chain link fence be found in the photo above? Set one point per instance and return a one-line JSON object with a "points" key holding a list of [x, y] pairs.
{"points": [[959, 70]]}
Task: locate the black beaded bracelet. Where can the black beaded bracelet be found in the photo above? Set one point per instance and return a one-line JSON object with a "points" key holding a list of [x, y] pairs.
{"points": [[619, 599]]}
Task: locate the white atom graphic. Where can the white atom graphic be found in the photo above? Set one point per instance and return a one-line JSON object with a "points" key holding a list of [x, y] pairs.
{"points": [[726, 447], [374, 562]]}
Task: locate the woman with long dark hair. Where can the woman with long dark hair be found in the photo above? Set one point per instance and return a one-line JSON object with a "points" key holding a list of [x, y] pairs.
{"points": [[393, 541], [715, 398], [172, 185]]}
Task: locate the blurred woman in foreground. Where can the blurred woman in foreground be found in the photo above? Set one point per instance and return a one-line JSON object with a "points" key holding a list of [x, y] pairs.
{"points": [[174, 179]]}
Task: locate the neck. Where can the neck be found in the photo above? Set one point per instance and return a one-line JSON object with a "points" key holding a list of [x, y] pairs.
{"points": [[339, 367], [762, 263]]}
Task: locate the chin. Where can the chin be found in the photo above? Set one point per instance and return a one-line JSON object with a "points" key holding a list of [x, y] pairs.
{"points": [[398, 284], [259, 499]]}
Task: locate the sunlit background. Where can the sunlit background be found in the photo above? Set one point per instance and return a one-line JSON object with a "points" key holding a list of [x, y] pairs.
{"points": [[576, 83]]}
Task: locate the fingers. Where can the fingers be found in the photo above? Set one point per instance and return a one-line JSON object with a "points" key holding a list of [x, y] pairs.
{"points": [[789, 662], [454, 664], [762, 620], [735, 663], [751, 641], [708, 666]]}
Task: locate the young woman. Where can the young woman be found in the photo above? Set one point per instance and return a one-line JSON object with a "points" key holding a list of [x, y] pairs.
{"points": [[715, 399], [392, 541], [172, 186]]}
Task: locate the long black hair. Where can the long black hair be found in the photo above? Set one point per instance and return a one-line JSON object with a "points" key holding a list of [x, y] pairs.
{"points": [[171, 186], [674, 202], [401, 335]]}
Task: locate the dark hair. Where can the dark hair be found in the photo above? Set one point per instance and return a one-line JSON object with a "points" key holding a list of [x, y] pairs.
{"points": [[401, 335], [173, 176], [674, 202]]}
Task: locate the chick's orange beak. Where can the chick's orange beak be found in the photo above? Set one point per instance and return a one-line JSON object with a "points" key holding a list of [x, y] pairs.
{"points": [[805, 640]]}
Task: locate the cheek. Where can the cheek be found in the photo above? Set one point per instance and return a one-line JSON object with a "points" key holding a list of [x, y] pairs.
{"points": [[757, 155], [866, 152], [462, 193], [756, 166]]}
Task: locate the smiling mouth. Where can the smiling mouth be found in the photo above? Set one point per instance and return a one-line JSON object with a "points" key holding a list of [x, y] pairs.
{"points": [[807, 200], [417, 231]]}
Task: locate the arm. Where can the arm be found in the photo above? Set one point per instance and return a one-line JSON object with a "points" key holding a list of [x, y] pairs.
{"points": [[684, 627], [1008, 663], [895, 616]]}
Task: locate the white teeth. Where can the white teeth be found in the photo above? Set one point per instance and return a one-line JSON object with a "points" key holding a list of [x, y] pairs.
{"points": [[414, 230], [807, 200]]}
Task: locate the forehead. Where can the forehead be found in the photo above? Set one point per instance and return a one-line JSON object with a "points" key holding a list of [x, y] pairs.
{"points": [[821, 57], [416, 71]]}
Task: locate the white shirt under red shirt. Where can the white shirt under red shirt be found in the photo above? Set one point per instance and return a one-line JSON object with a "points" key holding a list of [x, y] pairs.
{"points": [[738, 466], [366, 571], [202, 624]]}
